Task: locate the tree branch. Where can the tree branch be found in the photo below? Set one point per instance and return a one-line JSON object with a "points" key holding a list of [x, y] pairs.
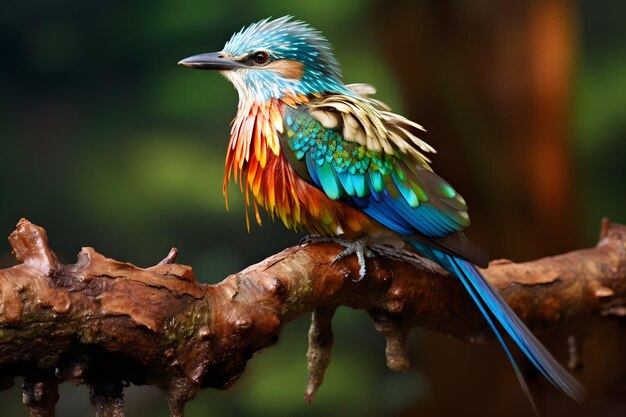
{"points": [[106, 323]]}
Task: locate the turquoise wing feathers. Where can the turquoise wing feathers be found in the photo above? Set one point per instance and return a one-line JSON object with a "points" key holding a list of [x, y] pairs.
{"points": [[393, 185], [417, 198]]}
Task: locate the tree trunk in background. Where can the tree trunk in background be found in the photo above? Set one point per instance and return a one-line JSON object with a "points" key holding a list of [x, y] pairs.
{"points": [[492, 86], [491, 82]]}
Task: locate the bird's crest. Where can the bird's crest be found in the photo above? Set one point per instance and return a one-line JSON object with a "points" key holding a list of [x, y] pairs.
{"points": [[281, 58], [284, 38]]}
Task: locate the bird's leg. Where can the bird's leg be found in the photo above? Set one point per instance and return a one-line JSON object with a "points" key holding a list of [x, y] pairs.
{"points": [[357, 247]]}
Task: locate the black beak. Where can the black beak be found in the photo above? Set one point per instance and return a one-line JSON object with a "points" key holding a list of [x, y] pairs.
{"points": [[210, 61]]}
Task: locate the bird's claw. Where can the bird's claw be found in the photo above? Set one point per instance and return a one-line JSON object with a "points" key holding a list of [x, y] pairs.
{"points": [[358, 248], [351, 247]]}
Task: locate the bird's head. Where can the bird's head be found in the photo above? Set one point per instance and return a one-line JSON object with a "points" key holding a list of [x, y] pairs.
{"points": [[274, 59]]}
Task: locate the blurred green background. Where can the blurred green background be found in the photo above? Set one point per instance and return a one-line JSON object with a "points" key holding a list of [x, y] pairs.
{"points": [[107, 143]]}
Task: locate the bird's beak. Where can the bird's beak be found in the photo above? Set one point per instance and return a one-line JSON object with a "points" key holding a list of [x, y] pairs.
{"points": [[210, 61]]}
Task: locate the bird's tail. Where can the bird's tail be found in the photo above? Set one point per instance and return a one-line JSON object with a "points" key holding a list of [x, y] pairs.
{"points": [[492, 306]]}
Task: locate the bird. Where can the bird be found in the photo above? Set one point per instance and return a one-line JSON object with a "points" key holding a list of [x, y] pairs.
{"points": [[328, 158]]}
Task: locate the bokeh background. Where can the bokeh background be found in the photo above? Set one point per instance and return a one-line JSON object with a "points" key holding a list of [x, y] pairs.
{"points": [[105, 142]]}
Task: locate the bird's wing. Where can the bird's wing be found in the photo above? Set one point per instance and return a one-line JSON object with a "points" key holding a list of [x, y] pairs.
{"points": [[370, 122], [368, 159]]}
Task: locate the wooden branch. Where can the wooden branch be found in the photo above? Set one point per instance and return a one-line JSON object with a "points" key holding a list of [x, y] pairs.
{"points": [[106, 323]]}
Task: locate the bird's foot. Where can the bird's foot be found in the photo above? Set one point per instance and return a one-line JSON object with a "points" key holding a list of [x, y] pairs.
{"points": [[351, 247]]}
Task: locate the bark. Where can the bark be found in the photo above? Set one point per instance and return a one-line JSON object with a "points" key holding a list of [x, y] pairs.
{"points": [[107, 323]]}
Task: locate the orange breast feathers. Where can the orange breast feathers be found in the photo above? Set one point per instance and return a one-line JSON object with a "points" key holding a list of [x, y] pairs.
{"points": [[256, 162]]}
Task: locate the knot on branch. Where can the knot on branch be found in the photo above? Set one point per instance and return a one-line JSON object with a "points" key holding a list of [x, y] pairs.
{"points": [[30, 246]]}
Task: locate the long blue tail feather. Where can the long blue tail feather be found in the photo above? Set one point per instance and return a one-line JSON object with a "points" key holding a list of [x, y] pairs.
{"points": [[492, 306], [527, 342], [472, 292]]}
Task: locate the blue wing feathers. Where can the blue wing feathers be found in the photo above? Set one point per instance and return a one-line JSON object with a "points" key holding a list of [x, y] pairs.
{"points": [[311, 168], [418, 218], [397, 214], [446, 220], [436, 219], [393, 221], [406, 191]]}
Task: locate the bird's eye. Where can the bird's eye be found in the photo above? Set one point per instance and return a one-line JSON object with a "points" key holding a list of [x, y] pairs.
{"points": [[260, 57]]}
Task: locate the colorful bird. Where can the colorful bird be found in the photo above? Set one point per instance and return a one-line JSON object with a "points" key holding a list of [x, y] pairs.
{"points": [[325, 156]]}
